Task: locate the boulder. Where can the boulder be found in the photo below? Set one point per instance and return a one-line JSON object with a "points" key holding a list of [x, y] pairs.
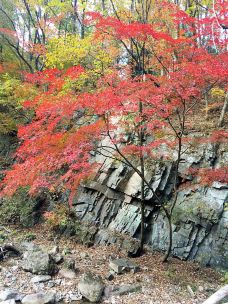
{"points": [[38, 262], [39, 298], [123, 265], [12, 301], [9, 294], [91, 287]]}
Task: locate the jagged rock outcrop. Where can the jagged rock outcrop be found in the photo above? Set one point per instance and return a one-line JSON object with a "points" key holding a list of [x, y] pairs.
{"points": [[200, 220]]}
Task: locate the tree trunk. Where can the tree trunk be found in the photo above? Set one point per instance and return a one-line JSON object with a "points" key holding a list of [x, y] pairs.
{"points": [[222, 116], [217, 296], [170, 243], [142, 165], [142, 227]]}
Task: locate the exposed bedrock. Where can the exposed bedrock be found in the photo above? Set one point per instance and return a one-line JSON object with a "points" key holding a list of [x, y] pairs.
{"points": [[200, 219]]}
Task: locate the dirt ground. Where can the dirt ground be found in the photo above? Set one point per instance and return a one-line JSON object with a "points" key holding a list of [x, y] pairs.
{"points": [[176, 282]]}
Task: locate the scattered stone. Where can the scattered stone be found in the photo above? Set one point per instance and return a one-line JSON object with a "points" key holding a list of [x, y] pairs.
{"points": [[68, 273], [110, 276], [54, 250], [39, 298], [51, 284], [58, 258], [38, 262], [91, 287], [69, 263], [83, 255], [123, 265], [41, 278], [132, 247], [191, 292], [121, 290], [75, 296], [201, 289], [69, 269]]}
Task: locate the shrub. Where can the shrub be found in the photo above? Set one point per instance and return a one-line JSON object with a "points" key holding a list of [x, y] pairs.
{"points": [[20, 208]]}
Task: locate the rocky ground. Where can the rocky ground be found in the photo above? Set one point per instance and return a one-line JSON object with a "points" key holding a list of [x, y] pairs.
{"points": [[50, 270]]}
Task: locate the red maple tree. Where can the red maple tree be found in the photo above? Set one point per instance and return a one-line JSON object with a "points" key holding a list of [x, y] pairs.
{"points": [[166, 78]]}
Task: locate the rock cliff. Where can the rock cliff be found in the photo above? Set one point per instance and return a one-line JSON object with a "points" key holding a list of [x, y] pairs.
{"points": [[200, 220]]}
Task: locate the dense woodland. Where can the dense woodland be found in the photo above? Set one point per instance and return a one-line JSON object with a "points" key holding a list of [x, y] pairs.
{"points": [[131, 81]]}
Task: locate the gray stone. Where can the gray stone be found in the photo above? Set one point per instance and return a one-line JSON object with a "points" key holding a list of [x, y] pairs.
{"points": [[110, 276], [121, 290], [8, 294], [12, 301], [126, 289], [39, 298], [123, 265], [75, 296], [200, 288], [38, 262], [131, 246], [69, 263], [191, 292], [40, 278], [54, 250], [67, 273], [28, 246], [91, 287], [83, 255], [51, 284], [58, 258]]}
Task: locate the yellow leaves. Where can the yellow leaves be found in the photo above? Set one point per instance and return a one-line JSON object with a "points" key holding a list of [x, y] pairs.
{"points": [[72, 50], [7, 123], [217, 92], [75, 84], [66, 51]]}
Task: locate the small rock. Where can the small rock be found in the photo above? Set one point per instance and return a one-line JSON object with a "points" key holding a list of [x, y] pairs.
{"points": [[39, 298], [51, 284], [58, 281], [15, 268], [54, 250], [75, 296], [110, 276], [69, 263], [91, 287], [40, 278], [201, 289], [121, 290], [84, 255], [58, 258], [122, 265], [132, 247], [68, 273], [191, 292]]}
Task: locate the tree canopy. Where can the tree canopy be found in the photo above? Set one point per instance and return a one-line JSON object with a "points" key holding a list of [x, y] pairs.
{"points": [[136, 73]]}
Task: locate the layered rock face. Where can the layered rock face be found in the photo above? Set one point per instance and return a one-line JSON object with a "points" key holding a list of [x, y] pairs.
{"points": [[200, 219]]}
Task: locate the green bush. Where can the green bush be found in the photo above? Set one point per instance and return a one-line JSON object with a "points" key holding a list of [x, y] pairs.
{"points": [[20, 208], [62, 220]]}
